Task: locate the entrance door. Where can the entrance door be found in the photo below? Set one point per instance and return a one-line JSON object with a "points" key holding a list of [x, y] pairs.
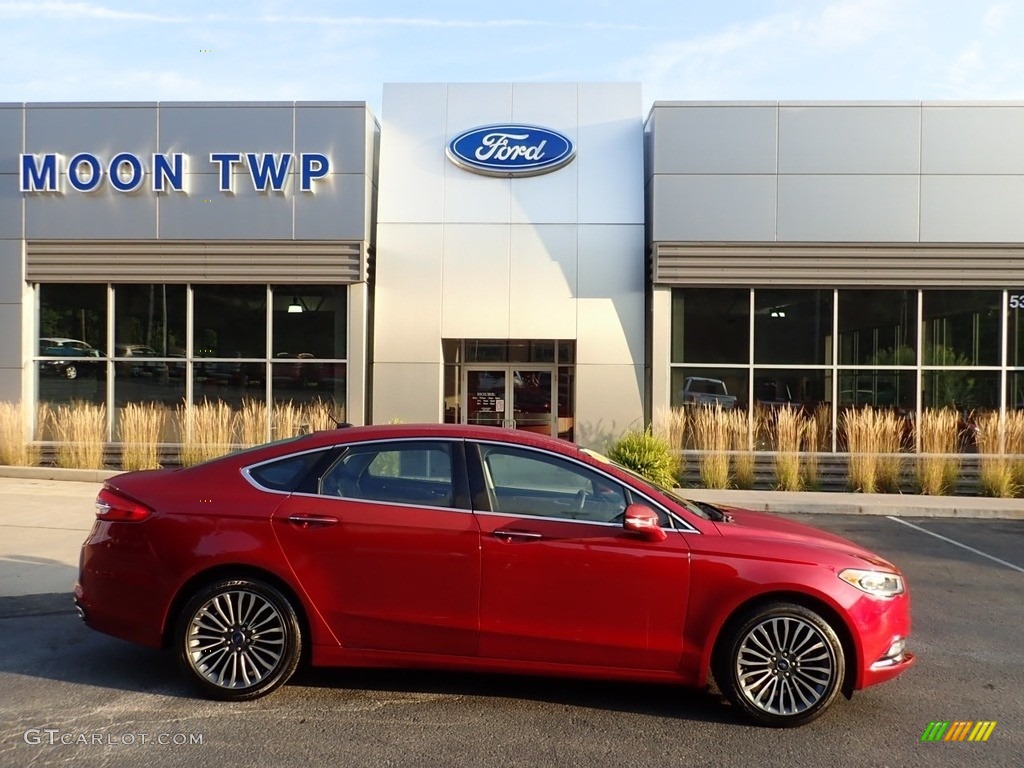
{"points": [[511, 396]]}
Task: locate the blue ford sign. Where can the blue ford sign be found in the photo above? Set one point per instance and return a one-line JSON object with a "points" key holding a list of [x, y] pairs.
{"points": [[511, 150]]}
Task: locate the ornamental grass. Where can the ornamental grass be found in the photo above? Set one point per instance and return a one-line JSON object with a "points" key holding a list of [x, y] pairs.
{"points": [[208, 434], [790, 428], [712, 436], [80, 429], [140, 428], [15, 450], [937, 466]]}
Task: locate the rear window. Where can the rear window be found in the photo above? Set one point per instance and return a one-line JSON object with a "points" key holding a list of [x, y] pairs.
{"points": [[284, 474]]}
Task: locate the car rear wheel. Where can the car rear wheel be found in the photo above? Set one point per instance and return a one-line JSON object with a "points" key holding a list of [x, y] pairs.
{"points": [[71, 372], [783, 665], [239, 639]]}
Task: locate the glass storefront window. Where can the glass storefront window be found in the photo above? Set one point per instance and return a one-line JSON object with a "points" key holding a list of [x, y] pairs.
{"points": [[148, 361], [878, 389], [797, 387], [310, 322], [149, 321], [961, 328], [963, 390], [792, 327], [76, 312], [722, 383], [710, 325], [72, 360], [877, 327], [230, 321]]}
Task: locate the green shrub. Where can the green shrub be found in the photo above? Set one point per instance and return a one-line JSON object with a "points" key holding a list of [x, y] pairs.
{"points": [[648, 455]]}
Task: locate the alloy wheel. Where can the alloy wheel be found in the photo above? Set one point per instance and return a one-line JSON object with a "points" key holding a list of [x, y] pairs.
{"points": [[785, 666]]}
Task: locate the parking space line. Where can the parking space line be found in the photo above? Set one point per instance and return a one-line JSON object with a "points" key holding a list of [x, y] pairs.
{"points": [[956, 543]]}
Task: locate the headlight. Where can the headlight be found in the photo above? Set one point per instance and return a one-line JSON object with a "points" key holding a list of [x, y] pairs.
{"points": [[875, 583]]}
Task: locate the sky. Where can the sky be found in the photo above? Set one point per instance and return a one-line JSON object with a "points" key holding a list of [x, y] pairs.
{"points": [[206, 50]]}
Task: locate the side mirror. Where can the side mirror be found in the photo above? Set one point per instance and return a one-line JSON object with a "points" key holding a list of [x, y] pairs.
{"points": [[643, 521]]}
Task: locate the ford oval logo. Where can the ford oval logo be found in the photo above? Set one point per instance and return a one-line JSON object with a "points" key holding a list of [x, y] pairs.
{"points": [[511, 150]]}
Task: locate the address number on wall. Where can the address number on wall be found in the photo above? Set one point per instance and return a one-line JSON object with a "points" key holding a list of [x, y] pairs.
{"points": [[1017, 301]]}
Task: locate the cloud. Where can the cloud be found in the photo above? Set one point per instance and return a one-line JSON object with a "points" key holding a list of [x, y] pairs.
{"points": [[78, 11]]}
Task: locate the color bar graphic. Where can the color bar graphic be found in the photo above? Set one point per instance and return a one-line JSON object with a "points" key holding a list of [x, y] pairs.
{"points": [[958, 730]]}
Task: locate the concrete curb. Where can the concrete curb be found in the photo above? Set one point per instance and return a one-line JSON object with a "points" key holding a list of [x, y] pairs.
{"points": [[57, 473], [788, 502], [970, 507]]}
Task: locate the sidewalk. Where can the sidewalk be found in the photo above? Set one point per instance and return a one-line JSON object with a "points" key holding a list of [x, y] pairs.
{"points": [[46, 519]]}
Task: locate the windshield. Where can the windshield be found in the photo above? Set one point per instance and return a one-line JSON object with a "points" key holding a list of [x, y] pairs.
{"points": [[705, 511]]}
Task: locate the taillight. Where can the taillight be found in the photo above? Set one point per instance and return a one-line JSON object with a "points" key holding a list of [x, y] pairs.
{"points": [[114, 507]]}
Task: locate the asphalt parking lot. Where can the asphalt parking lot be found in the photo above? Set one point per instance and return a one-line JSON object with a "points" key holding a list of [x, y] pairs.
{"points": [[68, 693]]}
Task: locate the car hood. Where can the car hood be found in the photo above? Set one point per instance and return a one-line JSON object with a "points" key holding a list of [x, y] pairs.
{"points": [[746, 523]]}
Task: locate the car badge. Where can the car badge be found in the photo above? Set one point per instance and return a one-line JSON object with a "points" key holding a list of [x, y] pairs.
{"points": [[511, 150]]}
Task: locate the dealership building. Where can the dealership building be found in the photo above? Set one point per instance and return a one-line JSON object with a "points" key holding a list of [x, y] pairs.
{"points": [[537, 256]]}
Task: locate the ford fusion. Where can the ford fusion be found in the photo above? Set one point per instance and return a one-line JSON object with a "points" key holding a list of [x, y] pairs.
{"points": [[476, 548]]}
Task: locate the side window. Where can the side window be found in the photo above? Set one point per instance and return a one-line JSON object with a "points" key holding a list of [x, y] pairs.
{"points": [[284, 474], [416, 473], [523, 482]]}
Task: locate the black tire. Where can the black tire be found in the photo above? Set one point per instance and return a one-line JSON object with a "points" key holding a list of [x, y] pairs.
{"points": [[782, 664], [238, 639]]}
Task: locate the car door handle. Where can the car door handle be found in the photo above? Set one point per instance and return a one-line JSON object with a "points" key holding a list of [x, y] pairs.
{"points": [[312, 521], [517, 535]]}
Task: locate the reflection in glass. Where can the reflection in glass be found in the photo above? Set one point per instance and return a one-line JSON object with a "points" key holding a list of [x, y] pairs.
{"points": [[149, 320], [230, 321], [962, 390], [710, 325], [877, 327], [73, 313], [879, 389], [732, 380], [961, 327], [793, 326], [485, 397], [785, 386], [317, 329]]}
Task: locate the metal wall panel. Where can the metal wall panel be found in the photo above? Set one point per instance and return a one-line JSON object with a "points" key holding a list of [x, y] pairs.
{"points": [[543, 281], [11, 273], [103, 129], [972, 208], [852, 138], [168, 261], [712, 139], [830, 265], [412, 168], [847, 207], [198, 129], [11, 208], [12, 138], [407, 294], [972, 139], [725, 207], [339, 132], [103, 214], [610, 162], [10, 342]]}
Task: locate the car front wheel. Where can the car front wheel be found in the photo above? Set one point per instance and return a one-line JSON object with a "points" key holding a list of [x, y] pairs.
{"points": [[239, 639], [783, 665]]}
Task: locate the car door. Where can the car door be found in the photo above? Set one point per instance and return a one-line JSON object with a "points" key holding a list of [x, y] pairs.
{"points": [[387, 548], [562, 581]]}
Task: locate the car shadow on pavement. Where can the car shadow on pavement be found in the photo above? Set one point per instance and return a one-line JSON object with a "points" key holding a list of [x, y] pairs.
{"points": [[670, 701], [45, 639]]}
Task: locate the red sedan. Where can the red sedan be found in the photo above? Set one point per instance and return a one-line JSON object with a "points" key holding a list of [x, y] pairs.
{"points": [[477, 548]]}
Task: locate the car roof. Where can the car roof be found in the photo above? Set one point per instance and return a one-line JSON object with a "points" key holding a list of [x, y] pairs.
{"points": [[412, 431]]}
